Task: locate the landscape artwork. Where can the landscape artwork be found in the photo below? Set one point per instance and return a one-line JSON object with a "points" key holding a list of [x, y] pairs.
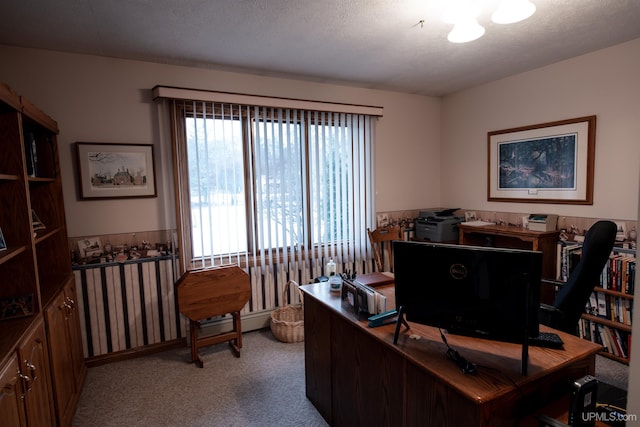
{"points": [[115, 170], [109, 169], [544, 163]]}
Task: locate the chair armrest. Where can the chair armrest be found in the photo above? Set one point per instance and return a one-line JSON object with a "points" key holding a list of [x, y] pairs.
{"points": [[550, 315], [556, 284], [549, 309]]}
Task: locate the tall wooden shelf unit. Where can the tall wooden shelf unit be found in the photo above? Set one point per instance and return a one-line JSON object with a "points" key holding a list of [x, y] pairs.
{"points": [[41, 362], [607, 317]]}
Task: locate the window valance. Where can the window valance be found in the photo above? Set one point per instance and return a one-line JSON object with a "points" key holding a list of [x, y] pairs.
{"points": [[262, 101]]}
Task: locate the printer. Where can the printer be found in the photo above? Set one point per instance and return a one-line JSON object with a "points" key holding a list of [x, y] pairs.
{"points": [[438, 225]]}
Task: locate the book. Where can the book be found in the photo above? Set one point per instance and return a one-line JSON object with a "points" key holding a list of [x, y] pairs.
{"points": [[31, 155], [627, 312], [592, 305], [611, 342], [619, 343], [374, 279], [602, 305]]}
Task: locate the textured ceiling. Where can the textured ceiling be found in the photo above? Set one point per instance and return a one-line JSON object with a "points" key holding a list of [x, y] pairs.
{"points": [[368, 43]]}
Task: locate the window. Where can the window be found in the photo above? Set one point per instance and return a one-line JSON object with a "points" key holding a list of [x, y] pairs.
{"points": [[269, 187]]}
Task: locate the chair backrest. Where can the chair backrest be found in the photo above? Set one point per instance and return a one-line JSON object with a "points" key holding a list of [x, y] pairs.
{"points": [[573, 296], [381, 237]]}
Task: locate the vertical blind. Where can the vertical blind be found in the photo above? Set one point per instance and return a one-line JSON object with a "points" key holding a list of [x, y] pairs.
{"points": [[277, 191]]}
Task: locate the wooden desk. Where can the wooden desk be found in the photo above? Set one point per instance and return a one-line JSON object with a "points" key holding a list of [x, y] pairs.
{"points": [[356, 376], [501, 236]]}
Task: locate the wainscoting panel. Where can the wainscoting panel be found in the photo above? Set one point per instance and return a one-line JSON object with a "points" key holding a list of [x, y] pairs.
{"points": [[128, 305], [132, 305]]}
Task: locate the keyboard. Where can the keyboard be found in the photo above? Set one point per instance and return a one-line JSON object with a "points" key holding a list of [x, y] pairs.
{"points": [[546, 339]]}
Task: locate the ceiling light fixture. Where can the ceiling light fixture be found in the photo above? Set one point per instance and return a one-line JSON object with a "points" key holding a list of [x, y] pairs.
{"points": [[463, 14], [466, 31], [511, 11]]}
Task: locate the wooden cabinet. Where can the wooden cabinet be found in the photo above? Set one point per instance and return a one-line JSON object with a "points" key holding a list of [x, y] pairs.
{"points": [[65, 348], [11, 404], [35, 264], [501, 236], [26, 398], [36, 379]]}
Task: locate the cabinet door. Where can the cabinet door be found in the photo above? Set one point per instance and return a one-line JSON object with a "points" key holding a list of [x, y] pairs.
{"points": [[64, 386], [34, 365], [75, 334], [11, 406]]}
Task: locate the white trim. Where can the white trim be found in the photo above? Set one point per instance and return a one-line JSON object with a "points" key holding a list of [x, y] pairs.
{"points": [[262, 101], [248, 322]]}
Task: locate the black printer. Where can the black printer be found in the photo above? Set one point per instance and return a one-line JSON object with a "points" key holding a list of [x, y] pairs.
{"points": [[438, 225]]}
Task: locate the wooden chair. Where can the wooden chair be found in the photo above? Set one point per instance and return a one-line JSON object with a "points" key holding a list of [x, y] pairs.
{"points": [[213, 292], [381, 237]]}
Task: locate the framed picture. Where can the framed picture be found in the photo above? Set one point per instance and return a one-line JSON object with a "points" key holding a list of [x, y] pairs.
{"points": [[115, 170], [90, 246], [470, 216], [36, 222], [16, 307], [545, 163], [3, 243]]}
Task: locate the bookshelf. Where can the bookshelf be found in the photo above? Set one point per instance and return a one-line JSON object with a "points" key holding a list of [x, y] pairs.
{"points": [[38, 316], [608, 313]]}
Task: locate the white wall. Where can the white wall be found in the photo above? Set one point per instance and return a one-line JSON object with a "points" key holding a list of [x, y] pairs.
{"points": [[605, 83], [97, 99]]}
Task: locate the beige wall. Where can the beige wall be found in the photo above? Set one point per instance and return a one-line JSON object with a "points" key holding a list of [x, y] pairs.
{"points": [[97, 99], [605, 83], [429, 152]]}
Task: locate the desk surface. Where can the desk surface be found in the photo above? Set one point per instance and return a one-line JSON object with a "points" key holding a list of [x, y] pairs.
{"points": [[507, 230], [498, 362]]}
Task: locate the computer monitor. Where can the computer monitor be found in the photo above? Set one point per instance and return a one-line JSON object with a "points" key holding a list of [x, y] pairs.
{"points": [[481, 291]]}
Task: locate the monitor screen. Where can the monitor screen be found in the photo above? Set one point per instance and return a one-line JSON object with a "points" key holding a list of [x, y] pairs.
{"points": [[470, 290]]}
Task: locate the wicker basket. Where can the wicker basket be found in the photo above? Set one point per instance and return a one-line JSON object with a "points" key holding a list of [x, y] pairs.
{"points": [[287, 323]]}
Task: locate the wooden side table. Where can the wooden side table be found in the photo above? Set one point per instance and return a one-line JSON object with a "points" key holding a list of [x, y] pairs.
{"points": [[213, 292]]}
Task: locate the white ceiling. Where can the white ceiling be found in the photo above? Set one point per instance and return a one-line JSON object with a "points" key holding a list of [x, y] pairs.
{"points": [[368, 43]]}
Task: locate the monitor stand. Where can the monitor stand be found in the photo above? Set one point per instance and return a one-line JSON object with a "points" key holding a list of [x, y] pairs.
{"points": [[401, 320]]}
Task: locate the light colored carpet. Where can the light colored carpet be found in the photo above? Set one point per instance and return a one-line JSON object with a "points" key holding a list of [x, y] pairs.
{"points": [[611, 372], [264, 387]]}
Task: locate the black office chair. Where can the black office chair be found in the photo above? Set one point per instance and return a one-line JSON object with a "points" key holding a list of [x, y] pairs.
{"points": [[573, 295]]}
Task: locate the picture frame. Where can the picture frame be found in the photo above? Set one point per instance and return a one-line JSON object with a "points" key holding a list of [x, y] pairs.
{"points": [[113, 170], [90, 246], [13, 307], [544, 163], [36, 222], [470, 216], [3, 243]]}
